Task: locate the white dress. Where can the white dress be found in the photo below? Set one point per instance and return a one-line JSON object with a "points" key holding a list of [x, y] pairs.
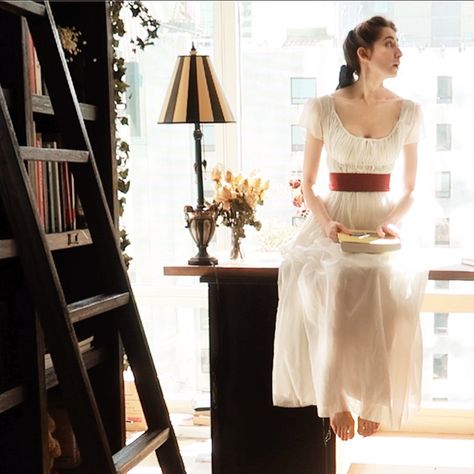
{"points": [[347, 332]]}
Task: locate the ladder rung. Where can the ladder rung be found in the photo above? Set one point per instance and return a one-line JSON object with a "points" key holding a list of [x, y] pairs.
{"points": [[31, 153], [25, 8], [135, 452], [94, 305], [42, 104]]}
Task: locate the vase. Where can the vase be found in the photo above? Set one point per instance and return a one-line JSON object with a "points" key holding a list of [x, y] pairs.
{"points": [[236, 241]]}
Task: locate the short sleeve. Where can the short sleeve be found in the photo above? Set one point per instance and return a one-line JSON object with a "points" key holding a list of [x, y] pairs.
{"points": [[415, 126], [311, 118]]}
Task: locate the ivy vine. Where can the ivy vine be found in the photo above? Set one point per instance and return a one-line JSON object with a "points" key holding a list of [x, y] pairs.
{"points": [[148, 34]]}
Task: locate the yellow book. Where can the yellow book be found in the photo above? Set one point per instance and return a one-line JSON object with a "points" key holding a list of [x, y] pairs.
{"points": [[362, 241]]}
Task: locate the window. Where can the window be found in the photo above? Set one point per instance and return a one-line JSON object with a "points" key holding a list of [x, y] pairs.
{"points": [[208, 138], [446, 24], [205, 361], [133, 79], [441, 323], [302, 89], [441, 284], [440, 366], [443, 137], [443, 184], [445, 90], [297, 138], [442, 232]]}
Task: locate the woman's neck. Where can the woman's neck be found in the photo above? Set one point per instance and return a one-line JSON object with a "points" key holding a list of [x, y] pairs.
{"points": [[369, 89]]}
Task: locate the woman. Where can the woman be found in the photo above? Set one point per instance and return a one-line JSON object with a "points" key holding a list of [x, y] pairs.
{"points": [[348, 337]]}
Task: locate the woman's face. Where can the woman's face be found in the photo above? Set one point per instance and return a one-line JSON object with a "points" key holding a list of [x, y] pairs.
{"points": [[384, 57]]}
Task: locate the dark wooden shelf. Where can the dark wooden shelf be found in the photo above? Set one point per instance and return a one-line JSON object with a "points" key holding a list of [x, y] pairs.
{"points": [[62, 240], [16, 395], [32, 153], [41, 104]]}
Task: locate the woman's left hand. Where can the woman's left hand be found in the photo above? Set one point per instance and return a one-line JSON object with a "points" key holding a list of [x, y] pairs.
{"points": [[387, 229]]}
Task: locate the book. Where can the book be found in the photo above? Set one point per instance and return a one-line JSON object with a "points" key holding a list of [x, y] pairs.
{"points": [[84, 346], [362, 241], [468, 261]]}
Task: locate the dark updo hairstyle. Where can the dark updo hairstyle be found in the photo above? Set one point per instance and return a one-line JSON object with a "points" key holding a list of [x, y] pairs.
{"points": [[363, 35]]}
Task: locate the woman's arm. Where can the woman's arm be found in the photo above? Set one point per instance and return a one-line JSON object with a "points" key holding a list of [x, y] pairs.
{"points": [[312, 159], [389, 225]]}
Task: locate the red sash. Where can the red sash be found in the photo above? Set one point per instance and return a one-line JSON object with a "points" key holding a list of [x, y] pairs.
{"points": [[359, 182]]}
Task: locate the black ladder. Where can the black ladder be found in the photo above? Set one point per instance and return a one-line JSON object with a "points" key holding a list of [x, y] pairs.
{"points": [[56, 315]]}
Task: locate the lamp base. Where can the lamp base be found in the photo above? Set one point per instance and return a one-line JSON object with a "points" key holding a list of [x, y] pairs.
{"points": [[198, 260], [201, 223]]}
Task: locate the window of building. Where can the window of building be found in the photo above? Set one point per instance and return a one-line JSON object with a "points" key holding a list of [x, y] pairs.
{"points": [[443, 184], [441, 323], [441, 284], [442, 232], [445, 90], [297, 138], [302, 89], [443, 137], [440, 366]]}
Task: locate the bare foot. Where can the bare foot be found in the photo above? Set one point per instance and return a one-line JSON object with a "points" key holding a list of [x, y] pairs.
{"points": [[342, 424], [367, 427]]}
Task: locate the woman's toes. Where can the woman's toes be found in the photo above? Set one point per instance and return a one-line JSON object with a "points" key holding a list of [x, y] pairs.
{"points": [[342, 424], [366, 427]]}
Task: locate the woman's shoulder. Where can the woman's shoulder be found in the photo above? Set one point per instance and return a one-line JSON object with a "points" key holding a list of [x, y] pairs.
{"points": [[412, 108], [319, 104]]}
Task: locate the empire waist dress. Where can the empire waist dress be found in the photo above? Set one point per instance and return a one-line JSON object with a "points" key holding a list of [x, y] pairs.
{"points": [[347, 333]]}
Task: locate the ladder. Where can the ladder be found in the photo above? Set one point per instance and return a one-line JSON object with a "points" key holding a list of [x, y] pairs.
{"points": [[56, 316]]}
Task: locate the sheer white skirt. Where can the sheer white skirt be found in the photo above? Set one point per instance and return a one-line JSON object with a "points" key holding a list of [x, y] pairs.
{"points": [[347, 333]]}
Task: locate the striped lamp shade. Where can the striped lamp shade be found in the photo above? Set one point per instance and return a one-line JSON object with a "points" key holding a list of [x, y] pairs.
{"points": [[195, 95]]}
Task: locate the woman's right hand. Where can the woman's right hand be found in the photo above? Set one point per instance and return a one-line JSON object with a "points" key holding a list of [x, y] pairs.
{"points": [[332, 228]]}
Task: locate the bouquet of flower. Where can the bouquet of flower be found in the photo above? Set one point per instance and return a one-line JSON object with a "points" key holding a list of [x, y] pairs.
{"points": [[237, 198]]}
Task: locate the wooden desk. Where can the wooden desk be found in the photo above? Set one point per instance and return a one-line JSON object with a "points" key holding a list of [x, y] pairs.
{"points": [[250, 435]]}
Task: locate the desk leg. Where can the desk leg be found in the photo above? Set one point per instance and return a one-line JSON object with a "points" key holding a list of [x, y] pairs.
{"points": [[249, 434]]}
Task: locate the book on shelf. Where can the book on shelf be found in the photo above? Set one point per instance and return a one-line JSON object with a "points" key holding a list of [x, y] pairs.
{"points": [[368, 241], [84, 346], [53, 187], [468, 261]]}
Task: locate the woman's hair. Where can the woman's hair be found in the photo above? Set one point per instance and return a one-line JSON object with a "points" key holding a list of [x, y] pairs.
{"points": [[363, 35]]}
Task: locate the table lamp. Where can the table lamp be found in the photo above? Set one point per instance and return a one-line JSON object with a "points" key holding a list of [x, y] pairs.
{"points": [[195, 96]]}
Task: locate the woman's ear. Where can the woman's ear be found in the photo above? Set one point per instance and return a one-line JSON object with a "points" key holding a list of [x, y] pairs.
{"points": [[363, 54]]}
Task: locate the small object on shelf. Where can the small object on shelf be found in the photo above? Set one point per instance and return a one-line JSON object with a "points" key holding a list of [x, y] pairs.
{"points": [[367, 241]]}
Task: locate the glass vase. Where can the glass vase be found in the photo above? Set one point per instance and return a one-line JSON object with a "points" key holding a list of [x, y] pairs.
{"points": [[235, 246]]}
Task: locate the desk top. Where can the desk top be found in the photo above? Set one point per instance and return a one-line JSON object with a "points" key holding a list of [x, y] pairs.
{"points": [[268, 268]]}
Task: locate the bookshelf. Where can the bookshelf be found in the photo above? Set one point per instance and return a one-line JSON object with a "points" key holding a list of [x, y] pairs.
{"points": [[28, 382]]}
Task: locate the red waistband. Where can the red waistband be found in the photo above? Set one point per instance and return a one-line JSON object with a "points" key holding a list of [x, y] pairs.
{"points": [[362, 182]]}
